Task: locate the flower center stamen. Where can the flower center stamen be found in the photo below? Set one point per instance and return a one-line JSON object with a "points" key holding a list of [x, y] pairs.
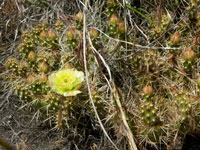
{"points": [[65, 80]]}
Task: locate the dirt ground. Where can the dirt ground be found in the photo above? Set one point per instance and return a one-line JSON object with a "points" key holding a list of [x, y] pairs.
{"points": [[16, 127]]}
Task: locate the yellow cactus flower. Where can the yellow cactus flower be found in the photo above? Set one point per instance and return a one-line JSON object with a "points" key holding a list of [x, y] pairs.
{"points": [[66, 81]]}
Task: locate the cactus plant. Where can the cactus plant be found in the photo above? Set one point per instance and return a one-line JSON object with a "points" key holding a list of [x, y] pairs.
{"points": [[155, 73], [39, 57]]}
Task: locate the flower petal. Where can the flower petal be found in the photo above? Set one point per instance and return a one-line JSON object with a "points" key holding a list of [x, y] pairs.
{"points": [[72, 93], [66, 80]]}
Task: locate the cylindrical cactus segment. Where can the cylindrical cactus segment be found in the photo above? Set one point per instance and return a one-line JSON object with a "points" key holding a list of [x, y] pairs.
{"points": [[149, 113], [184, 105]]}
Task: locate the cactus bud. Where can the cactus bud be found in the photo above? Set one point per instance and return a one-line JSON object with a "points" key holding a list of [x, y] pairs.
{"points": [[43, 67], [121, 27], [93, 33], [189, 55], [70, 34], [147, 90], [69, 65], [43, 77], [51, 34], [43, 35], [114, 20], [31, 56], [31, 78], [79, 17], [176, 38]]}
